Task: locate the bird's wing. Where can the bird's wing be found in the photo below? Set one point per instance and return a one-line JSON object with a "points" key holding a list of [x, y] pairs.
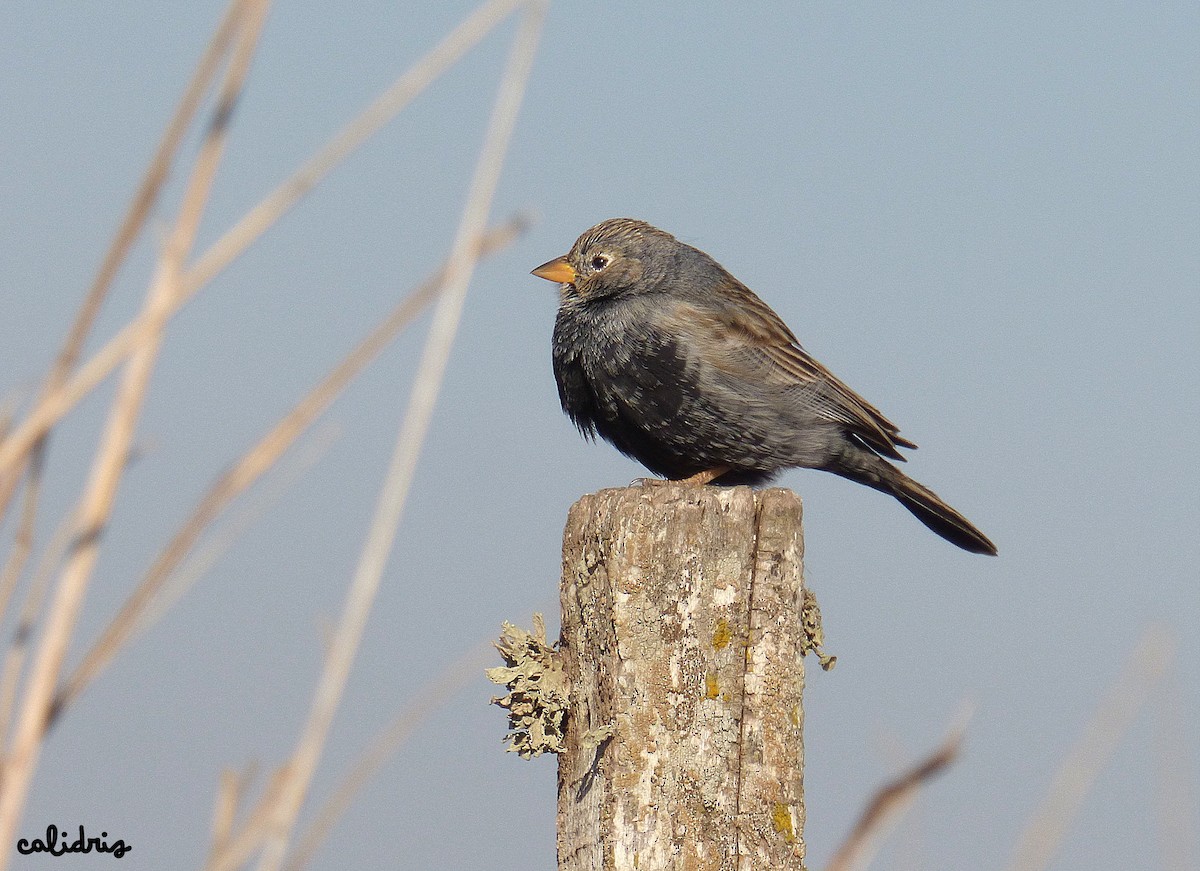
{"points": [[745, 334]]}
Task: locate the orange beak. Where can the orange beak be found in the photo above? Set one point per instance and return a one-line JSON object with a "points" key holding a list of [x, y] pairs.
{"points": [[557, 269]]}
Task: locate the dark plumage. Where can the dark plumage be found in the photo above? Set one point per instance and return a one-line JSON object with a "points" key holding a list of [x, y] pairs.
{"points": [[659, 350]]}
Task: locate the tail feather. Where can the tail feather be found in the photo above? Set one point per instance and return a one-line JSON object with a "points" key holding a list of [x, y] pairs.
{"points": [[925, 505], [928, 508]]}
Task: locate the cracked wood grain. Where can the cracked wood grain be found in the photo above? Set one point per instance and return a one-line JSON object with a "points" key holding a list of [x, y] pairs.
{"points": [[682, 641]]}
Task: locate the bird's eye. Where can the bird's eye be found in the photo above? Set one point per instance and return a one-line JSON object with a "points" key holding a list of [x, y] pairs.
{"points": [[599, 262]]}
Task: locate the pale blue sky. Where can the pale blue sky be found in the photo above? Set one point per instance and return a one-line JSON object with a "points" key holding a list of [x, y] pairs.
{"points": [[983, 217]]}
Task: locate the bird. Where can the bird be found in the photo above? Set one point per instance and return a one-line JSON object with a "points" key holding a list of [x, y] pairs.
{"points": [[659, 350]]}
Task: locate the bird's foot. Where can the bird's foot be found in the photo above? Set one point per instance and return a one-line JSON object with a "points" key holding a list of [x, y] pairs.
{"points": [[706, 477], [697, 480]]}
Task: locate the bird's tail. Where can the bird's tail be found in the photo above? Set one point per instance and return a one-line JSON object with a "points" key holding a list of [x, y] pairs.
{"points": [[925, 505]]}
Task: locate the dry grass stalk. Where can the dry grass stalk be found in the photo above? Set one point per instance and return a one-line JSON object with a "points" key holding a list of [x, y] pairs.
{"points": [[1178, 809], [888, 806], [131, 226], [229, 798], [254, 463], [399, 94], [908, 848], [110, 458], [240, 846], [135, 219], [140, 339], [200, 561], [22, 546], [390, 506], [428, 699], [14, 660], [148, 191], [1076, 775], [57, 403], [8, 410]]}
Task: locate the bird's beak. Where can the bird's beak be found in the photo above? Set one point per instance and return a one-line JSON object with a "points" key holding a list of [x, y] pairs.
{"points": [[557, 269]]}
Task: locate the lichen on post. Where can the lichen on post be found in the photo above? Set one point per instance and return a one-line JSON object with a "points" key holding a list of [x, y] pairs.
{"points": [[682, 643]]}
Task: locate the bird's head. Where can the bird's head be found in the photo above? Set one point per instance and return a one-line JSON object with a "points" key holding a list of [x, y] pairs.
{"points": [[616, 257]]}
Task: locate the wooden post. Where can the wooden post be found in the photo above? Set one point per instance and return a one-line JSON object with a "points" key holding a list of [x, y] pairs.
{"points": [[682, 640]]}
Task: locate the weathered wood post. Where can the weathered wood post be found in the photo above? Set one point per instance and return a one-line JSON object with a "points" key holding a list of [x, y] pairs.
{"points": [[682, 643]]}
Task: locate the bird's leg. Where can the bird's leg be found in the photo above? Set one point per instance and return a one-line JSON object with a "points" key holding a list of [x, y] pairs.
{"points": [[706, 477], [697, 480]]}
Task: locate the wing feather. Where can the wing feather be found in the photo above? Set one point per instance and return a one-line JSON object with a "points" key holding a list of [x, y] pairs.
{"points": [[751, 334]]}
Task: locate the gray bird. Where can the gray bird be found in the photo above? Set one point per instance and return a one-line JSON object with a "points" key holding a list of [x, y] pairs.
{"points": [[662, 352]]}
